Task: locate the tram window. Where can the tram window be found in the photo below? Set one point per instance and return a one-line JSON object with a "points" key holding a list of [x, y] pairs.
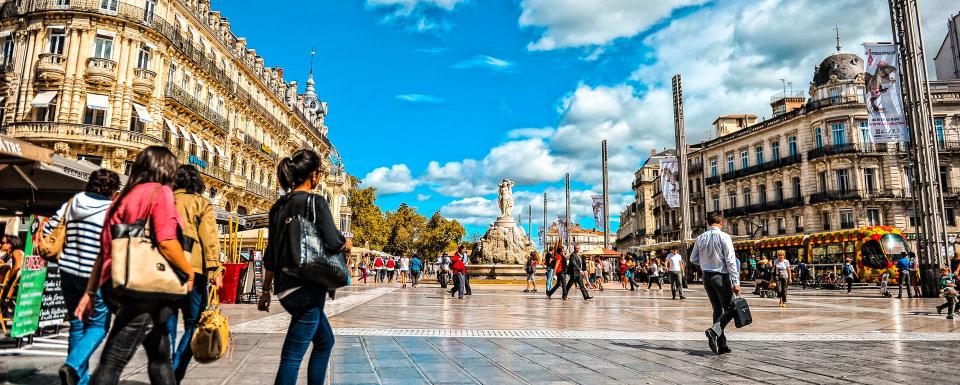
{"points": [[873, 255], [893, 245], [829, 254]]}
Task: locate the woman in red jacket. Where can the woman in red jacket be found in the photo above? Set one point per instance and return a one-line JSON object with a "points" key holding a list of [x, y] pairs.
{"points": [[459, 275]]}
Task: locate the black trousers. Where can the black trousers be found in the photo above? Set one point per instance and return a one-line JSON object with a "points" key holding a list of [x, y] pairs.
{"points": [[466, 284], [676, 283], [720, 291], [578, 279], [782, 288], [137, 323], [561, 282], [654, 280]]}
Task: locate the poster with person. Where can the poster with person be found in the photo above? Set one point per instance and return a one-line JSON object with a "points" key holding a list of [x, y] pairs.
{"points": [[670, 181], [882, 93]]}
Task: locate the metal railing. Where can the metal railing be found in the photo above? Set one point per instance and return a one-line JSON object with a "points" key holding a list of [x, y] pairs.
{"points": [[57, 131], [187, 101], [835, 195]]}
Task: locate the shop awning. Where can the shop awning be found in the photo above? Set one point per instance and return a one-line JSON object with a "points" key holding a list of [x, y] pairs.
{"points": [[196, 139], [207, 145], [43, 99], [142, 114], [183, 131], [98, 102], [220, 151], [173, 129]]}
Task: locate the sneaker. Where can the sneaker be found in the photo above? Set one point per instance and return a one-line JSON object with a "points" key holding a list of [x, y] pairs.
{"points": [[68, 376], [724, 350], [526, 290], [712, 340], [682, 297], [939, 310]]}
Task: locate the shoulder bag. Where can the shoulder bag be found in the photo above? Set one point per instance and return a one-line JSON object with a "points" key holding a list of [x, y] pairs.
{"points": [[138, 269], [50, 247], [741, 313], [212, 337], [309, 260]]}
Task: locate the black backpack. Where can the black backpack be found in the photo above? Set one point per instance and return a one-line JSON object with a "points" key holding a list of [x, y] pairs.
{"points": [[529, 267]]}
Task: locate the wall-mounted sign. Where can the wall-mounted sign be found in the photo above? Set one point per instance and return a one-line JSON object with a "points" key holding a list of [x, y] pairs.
{"points": [[194, 160], [265, 148]]}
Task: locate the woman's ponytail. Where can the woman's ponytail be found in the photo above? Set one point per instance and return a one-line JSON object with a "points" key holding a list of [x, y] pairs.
{"points": [[295, 169]]}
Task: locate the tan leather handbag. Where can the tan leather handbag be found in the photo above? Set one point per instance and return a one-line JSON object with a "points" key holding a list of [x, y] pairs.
{"points": [[50, 247], [212, 337], [138, 269]]}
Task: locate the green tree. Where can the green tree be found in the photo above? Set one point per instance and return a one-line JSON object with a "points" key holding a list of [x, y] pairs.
{"points": [[439, 235], [405, 226], [369, 226]]}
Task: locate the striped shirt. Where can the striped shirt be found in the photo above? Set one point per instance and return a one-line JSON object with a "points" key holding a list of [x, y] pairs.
{"points": [[82, 242]]}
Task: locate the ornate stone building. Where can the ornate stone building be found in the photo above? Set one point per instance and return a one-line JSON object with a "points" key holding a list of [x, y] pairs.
{"points": [[637, 221], [813, 166], [101, 79]]}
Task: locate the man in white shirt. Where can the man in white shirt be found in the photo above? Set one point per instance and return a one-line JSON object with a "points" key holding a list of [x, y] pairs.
{"points": [[675, 266], [721, 278]]}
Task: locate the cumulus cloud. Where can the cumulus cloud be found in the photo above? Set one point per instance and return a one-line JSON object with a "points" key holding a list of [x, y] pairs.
{"points": [[542, 133], [484, 61], [393, 180], [578, 23], [422, 16], [477, 211], [423, 197], [419, 99]]}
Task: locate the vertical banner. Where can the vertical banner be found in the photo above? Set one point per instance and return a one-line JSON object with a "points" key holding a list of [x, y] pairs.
{"points": [[670, 181], [26, 315], [882, 93], [561, 228], [541, 236], [598, 211]]}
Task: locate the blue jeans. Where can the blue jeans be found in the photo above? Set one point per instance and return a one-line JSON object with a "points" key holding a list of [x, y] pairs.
{"points": [[549, 278], [191, 306], [84, 337], [308, 325]]}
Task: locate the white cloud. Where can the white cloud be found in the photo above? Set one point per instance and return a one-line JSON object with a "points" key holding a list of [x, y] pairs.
{"points": [[419, 99], [423, 197], [541, 133], [476, 211], [484, 61], [578, 23], [422, 16], [431, 50], [393, 180]]}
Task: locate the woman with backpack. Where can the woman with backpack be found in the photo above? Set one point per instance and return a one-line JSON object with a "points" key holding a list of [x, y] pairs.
{"points": [[199, 224], [531, 269], [82, 217], [299, 174], [147, 197]]}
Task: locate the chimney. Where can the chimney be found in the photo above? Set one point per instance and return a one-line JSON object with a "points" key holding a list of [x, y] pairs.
{"points": [[653, 152]]}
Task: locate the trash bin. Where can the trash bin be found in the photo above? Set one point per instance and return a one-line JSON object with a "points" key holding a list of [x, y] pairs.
{"points": [[231, 279]]}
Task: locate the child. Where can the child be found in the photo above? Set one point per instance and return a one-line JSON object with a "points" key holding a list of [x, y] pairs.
{"points": [[949, 293]]}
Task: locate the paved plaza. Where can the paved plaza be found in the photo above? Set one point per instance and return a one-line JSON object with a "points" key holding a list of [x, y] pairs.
{"points": [[500, 335]]}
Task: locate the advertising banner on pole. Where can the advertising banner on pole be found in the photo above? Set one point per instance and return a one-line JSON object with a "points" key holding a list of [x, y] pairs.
{"points": [[561, 228], [670, 181], [882, 93], [598, 211], [26, 316]]}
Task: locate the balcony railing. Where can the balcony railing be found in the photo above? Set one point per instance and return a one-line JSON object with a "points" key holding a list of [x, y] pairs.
{"points": [[101, 72], [838, 149], [82, 133], [755, 169], [817, 104], [835, 195], [144, 81], [51, 67], [187, 101], [263, 191]]}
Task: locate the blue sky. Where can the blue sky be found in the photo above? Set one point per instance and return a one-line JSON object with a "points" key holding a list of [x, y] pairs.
{"points": [[435, 101]]}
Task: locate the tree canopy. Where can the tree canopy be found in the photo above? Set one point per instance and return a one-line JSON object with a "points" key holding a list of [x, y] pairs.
{"points": [[400, 232]]}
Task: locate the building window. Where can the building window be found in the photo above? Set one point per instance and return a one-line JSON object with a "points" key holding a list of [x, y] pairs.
{"points": [[778, 191], [730, 167], [747, 200], [732, 199], [96, 117], [197, 91], [103, 47], [865, 136], [843, 180], [744, 159], [870, 179], [109, 5], [148, 8], [944, 177], [185, 82], [792, 145], [796, 187], [846, 219], [762, 191], [798, 223], [57, 38], [143, 59], [45, 113], [735, 229], [950, 216], [873, 216], [818, 135], [765, 226], [826, 220], [938, 126], [759, 154], [835, 95], [8, 51], [839, 134], [781, 225], [716, 202], [775, 150], [136, 125], [822, 177]]}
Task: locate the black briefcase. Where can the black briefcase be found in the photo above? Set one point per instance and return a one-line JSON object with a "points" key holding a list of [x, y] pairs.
{"points": [[741, 313]]}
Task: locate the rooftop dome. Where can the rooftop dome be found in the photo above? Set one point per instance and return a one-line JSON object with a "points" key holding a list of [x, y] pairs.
{"points": [[846, 66]]}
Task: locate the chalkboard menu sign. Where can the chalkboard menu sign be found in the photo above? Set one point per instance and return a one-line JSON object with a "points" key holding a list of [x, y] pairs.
{"points": [[53, 310], [257, 271]]}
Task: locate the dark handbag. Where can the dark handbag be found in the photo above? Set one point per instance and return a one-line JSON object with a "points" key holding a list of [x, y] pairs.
{"points": [[309, 260], [741, 312]]}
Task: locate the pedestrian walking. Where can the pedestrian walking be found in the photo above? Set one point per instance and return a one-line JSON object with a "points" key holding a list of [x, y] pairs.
{"points": [[530, 267], [378, 272], [653, 276], [459, 276], [404, 269], [903, 275], [198, 223], [548, 266], [623, 268], [949, 291], [465, 259], [804, 273], [298, 175], [363, 270], [849, 274], [591, 272], [443, 273], [599, 269], [714, 252], [675, 266], [915, 275], [146, 197], [391, 268], [574, 270], [783, 275], [416, 266], [83, 216], [884, 282], [559, 263]]}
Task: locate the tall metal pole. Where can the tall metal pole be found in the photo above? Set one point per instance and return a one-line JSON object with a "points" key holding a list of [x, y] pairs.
{"points": [[606, 199], [530, 222], [566, 213], [545, 228], [682, 160], [925, 160]]}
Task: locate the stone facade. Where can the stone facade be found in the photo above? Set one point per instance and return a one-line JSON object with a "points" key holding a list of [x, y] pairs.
{"points": [[588, 239], [812, 166], [637, 221], [100, 80]]}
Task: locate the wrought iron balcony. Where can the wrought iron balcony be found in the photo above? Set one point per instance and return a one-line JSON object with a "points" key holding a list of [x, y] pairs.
{"points": [[834, 149], [101, 72], [187, 101], [81, 133], [51, 67], [260, 190], [144, 81], [835, 195]]}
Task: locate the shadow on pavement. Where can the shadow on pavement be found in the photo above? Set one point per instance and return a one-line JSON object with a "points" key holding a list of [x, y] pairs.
{"points": [[692, 352]]}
